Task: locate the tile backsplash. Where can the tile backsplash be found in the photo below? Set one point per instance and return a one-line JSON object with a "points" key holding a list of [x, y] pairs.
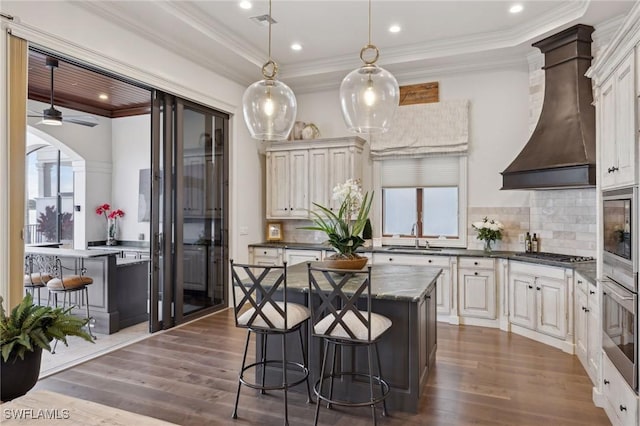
{"points": [[564, 220]]}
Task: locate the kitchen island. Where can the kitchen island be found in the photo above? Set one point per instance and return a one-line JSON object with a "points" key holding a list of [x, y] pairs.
{"points": [[118, 295], [405, 295]]}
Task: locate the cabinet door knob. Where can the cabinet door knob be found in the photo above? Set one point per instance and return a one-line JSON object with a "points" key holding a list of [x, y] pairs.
{"points": [[623, 408], [530, 286], [391, 259], [286, 208], [430, 260], [537, 288], [475, 263], [614, 169], [579, 281], [265, 252], [291, 209], [475, 273], [592, 292], [428, 297], [586, 309], [316, 259], [606, 382]]}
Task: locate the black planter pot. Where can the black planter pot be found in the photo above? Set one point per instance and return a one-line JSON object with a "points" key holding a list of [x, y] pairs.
{"points": [[19, 375]]}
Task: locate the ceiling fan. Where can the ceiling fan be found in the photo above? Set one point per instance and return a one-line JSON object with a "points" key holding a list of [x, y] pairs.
{"points": [[52, 116]]}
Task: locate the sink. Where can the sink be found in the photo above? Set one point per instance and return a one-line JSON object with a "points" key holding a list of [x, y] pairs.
{"points": [[411, 248]]}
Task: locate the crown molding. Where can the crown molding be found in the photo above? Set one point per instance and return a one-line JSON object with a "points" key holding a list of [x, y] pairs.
{"points": [[109, 12]]}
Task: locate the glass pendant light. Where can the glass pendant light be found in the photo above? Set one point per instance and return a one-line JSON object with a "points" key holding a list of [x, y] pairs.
{"points": [[269, 106], [369, 95]]}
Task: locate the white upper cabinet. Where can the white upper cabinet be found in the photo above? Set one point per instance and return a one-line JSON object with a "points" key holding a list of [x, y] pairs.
{"points": [[301, 173], [617, 85], [618, 126]]}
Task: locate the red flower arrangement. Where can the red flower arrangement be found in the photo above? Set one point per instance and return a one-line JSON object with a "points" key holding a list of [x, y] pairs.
{"points": [[104, 210]]}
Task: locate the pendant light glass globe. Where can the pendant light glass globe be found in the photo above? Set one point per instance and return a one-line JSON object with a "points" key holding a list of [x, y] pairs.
{"points": [[269, 108], [369, 98]]}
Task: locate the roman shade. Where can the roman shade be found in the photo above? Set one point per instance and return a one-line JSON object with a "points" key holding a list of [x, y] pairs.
{"points": [[420, 172], [425, 129]]}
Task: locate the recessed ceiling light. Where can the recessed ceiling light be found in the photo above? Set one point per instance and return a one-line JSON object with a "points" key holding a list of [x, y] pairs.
{"points": [[296, 46], [246, 4], [516, 8], [103, 96], [394, 29]]}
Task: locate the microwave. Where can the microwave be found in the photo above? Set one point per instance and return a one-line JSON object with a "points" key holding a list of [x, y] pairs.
{"points": [[620, 236]]}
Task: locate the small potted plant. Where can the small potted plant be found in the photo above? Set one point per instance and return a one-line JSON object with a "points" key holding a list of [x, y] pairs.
{"points": [[344, 229], [112, 222], [24, 333]]}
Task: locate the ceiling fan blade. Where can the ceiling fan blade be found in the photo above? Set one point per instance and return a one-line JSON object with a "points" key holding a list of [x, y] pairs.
{"points": [[83, 120]]}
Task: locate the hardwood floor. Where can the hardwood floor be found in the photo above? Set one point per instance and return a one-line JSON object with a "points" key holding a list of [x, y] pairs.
{"points": [[189, 376]]}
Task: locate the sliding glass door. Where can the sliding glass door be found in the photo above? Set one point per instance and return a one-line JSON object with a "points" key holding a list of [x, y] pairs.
{"points": [[190, 210]]}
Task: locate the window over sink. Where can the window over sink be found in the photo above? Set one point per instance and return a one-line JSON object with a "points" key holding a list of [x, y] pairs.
{"points": [[424, 198]]}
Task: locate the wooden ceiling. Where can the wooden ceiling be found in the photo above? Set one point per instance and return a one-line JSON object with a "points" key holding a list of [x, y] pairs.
{"points": [[80, 89]]}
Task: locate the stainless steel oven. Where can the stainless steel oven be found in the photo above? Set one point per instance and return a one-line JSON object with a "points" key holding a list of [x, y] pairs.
{"points": [[620, 236], [619, 329]]}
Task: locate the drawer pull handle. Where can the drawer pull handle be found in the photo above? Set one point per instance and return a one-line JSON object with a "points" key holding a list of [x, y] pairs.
{"points": [[265, 252], [606, 382], [623, 408], [391, 259], [316, 259], [586, 310], [530, 286], [537, 288], [592, 292], [579, 281], [475, 263], [430, 260]]}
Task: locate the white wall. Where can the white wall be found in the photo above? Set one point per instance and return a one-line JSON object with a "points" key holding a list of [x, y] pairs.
{"points": [[68, 28], [499, 102], [131, 152]]}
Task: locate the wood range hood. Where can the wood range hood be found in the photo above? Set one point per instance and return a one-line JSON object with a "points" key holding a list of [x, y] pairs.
{"points": [[561, 152]]}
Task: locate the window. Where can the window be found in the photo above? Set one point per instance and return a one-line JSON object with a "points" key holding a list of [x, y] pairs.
{"points": [[424, 197], [49, 213]]}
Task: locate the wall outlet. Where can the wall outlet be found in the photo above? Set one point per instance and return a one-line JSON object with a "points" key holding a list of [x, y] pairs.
{"points": [[244, 230], [521, 238]]}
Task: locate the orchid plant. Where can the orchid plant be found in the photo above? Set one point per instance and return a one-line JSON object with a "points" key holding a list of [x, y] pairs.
{"points": [[344, 229], [111, 217]]}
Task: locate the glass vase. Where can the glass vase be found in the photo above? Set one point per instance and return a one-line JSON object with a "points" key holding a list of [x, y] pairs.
{"points": [[112, 230], [487, 246]]}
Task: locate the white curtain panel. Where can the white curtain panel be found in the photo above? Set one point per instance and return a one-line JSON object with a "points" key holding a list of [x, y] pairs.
{"points": [[425, 129]]}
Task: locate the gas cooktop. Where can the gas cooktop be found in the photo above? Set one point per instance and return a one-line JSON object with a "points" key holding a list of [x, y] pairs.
{"points": [[556, 257]]}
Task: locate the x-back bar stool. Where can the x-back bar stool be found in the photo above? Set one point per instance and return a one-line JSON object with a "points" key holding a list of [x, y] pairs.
{"points": [[36, 276], [339, 322], [259, 313]]}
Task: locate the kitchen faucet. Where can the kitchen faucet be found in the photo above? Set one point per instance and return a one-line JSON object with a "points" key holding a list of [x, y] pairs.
{"points": [[414, 229]]}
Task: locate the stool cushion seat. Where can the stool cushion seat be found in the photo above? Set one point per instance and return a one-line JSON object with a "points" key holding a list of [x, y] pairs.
{"points": [[70, 282], [295, 315], [379, 324], [36, 279]]}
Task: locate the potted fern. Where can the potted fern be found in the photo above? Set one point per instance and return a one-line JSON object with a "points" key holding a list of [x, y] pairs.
{"points": [[24, 334]]}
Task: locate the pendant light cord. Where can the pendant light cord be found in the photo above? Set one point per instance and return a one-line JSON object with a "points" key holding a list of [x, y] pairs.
{"points": [[369, 22], [270, 20]]}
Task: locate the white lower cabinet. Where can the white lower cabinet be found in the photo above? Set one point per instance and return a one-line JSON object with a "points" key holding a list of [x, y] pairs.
{"points": [[621, 403], [443, 285], [539, 303], [294, 257], [265, 256], [477, 288], [587, 326]]}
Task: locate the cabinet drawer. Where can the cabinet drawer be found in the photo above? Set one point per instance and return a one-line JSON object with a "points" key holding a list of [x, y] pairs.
{"points": [[410, 259], [581, 284], [537, 270], [620, 398], [475, 263], [265, 251]]}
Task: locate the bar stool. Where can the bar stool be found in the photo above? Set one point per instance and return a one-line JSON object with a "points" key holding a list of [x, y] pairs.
{"points": [[35, 277], [259, 313], [68, 284], [339, 322]]}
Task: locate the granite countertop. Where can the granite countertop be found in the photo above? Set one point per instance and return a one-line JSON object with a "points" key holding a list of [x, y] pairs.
{"points": [[119, 248], [61, 252], [588, 271], [511, 255], [394, 282]]}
